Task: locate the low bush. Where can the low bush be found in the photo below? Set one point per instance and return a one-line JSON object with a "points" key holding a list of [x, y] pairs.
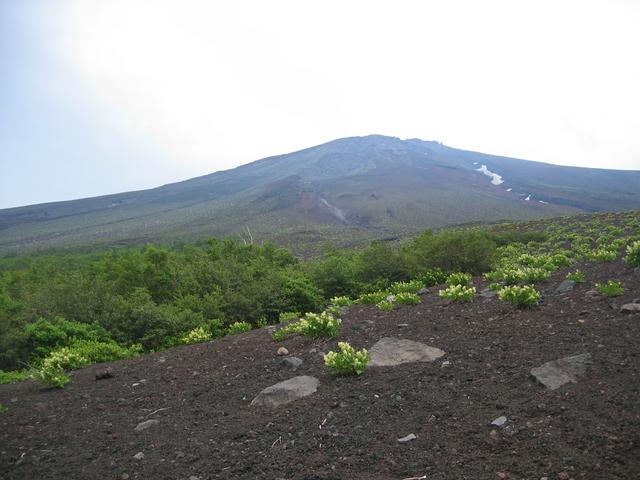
{"points": [[347, 361], [288, 316], [577, 276], [414, 286], [313, 324], [385, 305], [633, 254], [197, 335], [343, 301], [602, 255], [2, 409], [372, 298], [98, 352], [407, 298], [459, 278], [12, 377], [610, 289], [432, 277], [239, 327], [458, 293], [520, 296]]}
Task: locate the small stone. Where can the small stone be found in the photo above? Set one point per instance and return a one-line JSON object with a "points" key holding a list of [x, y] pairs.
{"points": [[423, 291], [139, 456], [144, 425], [493, 435], [488, 293], [193, 477], [630, 308], [288, 391], [13, 400], [566, 286], [104, 373], [446, 364], [283, 351], [124, 476], [403, 325], [292, 362], [500, 421], [408, 438]]}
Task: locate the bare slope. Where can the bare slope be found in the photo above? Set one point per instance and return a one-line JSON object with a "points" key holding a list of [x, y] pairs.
{"points": [[350, 189], [349, 429]]}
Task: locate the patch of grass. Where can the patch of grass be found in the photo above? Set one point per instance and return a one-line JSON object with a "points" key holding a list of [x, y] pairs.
{"points": [[239, 327], [385, 305], [577, 276], [610, 289], [3, 409], [407, 298], [13, 377]]}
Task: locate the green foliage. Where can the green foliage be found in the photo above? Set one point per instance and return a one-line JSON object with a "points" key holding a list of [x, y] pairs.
{"points": [[458, 293], [413, 286], [407, 298], [97, 352], [459, 278], [3, 409], [610, 289], [633, 254], [577, 276], [288, 316], [51, 372], [312, 325], [521, 296], [602, 255], [239, 327], [341, 301], [13, 377], [372, 298], [197, 335], [432, 277], [385, 305], [51, 376], [347, 361]]}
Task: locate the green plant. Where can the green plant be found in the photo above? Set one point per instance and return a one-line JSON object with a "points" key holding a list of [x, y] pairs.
{"points": [[407, 298], [413, 286], [347, 361], [459, 278], [602, 255], [577, 276], [239, 327], [385, 305], [197, 335], [633, 254], [313, 324], [288, 316], [343, 301], [372, 298], [610, 289], [520, 296], [432, 277], [51, 376], [13, 377], [458, 293], [3, 409]]}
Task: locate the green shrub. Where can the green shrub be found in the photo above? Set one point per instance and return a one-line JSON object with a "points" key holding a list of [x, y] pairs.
{"points": [[3, 409], [51, 376], [513, 276], [520, 296], [52, 370], [459, 278], [312, 325], [407, 298], [341, 301], [602, 255], [13, 377], [633, 254], [385, 305], [98, 352], [432, 277], [413, 286], [197, 335], [347, 361], [239, 327], [372, 298], [288, 316], [577, 276], [610, 289], [458, 293]]}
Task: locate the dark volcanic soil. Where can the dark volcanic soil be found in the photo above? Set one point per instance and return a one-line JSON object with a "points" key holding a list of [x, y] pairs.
{"points": [[349, 428]]}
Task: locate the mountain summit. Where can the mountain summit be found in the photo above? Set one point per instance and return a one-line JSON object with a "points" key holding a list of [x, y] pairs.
{"points": [[347, 190]]}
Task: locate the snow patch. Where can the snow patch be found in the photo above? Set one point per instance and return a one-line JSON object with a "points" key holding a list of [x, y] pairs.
{"points": [[542, 201], [528, 199], [495, 178], [509, 189]]}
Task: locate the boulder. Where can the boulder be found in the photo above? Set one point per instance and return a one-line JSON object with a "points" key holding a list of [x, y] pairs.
{"points": [[292, 362], [630, 308], [556, 373], [390, 351], [287, 391]]}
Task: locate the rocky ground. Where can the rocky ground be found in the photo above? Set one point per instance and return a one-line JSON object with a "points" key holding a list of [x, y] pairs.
{"points": [[187, 413]]}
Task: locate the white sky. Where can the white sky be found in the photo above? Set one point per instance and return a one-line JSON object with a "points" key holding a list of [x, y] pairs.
{"points": [[210, 85]]}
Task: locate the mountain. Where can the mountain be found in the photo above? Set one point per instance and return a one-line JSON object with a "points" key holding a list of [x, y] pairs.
{"points": [[346, 191]]}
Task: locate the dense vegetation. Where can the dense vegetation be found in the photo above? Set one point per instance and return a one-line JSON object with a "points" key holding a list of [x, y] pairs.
{"points": [[74, 309]]}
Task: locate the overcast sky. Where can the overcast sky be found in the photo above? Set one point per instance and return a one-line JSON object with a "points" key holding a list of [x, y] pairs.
{"points": [[100, 96]]}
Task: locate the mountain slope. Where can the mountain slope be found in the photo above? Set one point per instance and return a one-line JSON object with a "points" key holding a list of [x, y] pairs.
{"points": [[346, 190]]}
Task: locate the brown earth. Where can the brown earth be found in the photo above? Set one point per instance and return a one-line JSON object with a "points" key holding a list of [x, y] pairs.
{"points": [[349, 428]]}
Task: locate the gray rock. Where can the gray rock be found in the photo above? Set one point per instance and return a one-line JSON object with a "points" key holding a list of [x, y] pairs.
{"points": [[423, 291], [488, 293], [287, 391], [139, 456], [566, 286], [408, 438], [498, 422], [283, 351], [556, 373], [403, 325], [104, 373], [292, 362], [390, 351], [630, 308], [144, 425]]}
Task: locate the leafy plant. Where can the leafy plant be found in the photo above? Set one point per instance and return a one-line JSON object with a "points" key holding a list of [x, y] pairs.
{"points": [[313, 325], [407, 298], [239, 327], [3, 409], [602, 255], [520, 296], [633, 254], [197, 335], [385, 305], [577, 276], [432, 277], [288, 316], [610, 289], [459, 278], [51, 376], [373, 298], [13, 377], [347, 361], [458, 293], [413, 286]]}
